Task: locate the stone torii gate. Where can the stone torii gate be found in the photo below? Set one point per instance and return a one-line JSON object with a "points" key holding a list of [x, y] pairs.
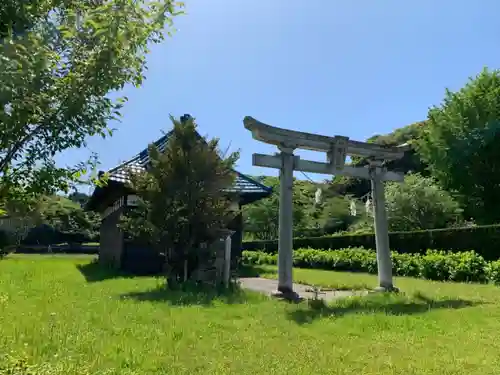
{"points": [[337, 148]]}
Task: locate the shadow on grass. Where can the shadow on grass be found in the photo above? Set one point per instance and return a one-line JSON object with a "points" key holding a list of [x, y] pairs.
{"points": [[192, 295], [95, 272], [390, 304]]}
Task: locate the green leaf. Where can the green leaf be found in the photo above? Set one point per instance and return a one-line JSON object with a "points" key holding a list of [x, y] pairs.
{"points": [[56, 81]]}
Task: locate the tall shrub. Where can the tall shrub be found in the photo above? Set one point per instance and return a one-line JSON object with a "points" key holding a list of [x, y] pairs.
{"points": [[184, 198]]}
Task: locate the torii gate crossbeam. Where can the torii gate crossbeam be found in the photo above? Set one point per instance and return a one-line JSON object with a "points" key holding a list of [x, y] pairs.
{"points": [[336, 148]]}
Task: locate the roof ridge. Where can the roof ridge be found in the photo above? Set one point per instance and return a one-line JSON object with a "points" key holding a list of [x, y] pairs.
{"points": [[123, 164], [119, 174], [138, 156], [157, 143], [253, 181]]}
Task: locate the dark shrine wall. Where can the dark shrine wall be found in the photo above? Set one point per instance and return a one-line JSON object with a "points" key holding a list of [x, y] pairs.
{"points": [[111, 243], [111, 206], [139, 259]]}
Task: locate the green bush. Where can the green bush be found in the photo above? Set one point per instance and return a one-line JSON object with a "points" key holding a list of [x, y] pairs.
{"points": [[466, 266], [434, 266], [493, 272], [407, 264], [483, 239]]}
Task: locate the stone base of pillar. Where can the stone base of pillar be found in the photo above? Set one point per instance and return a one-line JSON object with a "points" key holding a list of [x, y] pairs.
{"points": [[288, 295], [385, 289]]}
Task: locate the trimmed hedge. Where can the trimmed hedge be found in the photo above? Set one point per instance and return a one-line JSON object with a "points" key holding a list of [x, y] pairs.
{"points": [[466, 266], [485, 240], [58, 249], [47, 235]]}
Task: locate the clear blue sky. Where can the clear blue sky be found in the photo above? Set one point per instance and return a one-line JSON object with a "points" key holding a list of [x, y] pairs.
{"points": [[354, 68]]}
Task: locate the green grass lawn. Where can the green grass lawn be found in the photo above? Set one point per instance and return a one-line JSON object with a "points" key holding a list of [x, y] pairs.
{"points": [[69, 316]]}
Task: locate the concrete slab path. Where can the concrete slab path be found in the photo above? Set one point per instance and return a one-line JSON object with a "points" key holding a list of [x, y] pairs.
{"points": [[270, 286]]}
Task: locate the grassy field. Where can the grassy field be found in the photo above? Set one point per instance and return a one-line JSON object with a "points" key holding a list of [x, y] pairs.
{"points": [[67, 316]]}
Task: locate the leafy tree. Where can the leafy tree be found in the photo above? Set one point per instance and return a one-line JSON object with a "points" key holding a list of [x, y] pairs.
{"points": [[67, 217], [335, 214], [408, 135], [352, 186], [410, 162], [59, 61], [363, 225], [419, 204], [261, 218], [184, 198], [79, 197], [309, 218], [461, 144]]}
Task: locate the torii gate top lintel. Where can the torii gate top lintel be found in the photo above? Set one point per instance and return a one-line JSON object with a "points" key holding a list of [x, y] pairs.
{"points": [[309, 141]]}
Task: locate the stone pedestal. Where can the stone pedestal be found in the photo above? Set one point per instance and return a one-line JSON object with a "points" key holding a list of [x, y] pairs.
{"points": [[216, 269]]}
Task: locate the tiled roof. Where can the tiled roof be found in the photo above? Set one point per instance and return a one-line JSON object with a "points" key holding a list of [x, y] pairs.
{"points": [[243, 184]]}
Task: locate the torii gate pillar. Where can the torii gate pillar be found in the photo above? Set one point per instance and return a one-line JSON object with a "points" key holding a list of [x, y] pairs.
{"points": [[384, 262], [285, 243]]}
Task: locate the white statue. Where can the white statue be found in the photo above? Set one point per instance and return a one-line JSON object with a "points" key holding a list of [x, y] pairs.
{"points": [[317, 196], [352, 208], [368, 206]]}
